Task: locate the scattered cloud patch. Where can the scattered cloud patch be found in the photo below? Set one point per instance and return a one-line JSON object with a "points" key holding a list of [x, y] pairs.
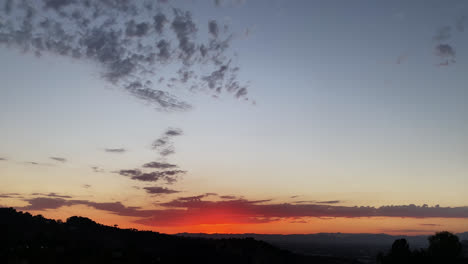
{"points": [[164, 144], [170, 176], [59, 159], [131, 41], [446, 53], [159, 190]]}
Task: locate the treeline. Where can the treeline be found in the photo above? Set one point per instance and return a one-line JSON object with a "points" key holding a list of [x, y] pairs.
{"points": [[444, 248]]}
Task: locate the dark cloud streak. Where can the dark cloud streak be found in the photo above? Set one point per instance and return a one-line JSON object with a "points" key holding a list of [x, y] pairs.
{"points": [[159, 190], [115, 150], [59, 159]]}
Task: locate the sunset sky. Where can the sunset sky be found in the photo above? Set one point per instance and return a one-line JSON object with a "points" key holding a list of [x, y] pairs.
{"points": [[237, 116]]}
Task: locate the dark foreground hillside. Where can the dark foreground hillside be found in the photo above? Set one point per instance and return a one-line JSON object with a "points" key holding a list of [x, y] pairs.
{"points": [[34, 239]]}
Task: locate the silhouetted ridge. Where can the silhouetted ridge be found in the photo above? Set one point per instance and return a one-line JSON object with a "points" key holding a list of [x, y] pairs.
{"points": [[35, 239]]}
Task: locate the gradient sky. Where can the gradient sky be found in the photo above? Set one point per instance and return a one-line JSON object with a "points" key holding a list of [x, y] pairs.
{"points": [[323, 116]]}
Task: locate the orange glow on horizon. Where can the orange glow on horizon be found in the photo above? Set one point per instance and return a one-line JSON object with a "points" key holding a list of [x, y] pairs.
{"points": [[227, 222]]}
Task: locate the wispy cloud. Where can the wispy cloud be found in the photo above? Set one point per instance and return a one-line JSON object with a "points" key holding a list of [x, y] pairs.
{"points": [[328, 202], [51, 195], [159, 165], [228, 197], [10, 195], [164, 144], [115, 150], [430, 225], [34, 163], [59, 159]]}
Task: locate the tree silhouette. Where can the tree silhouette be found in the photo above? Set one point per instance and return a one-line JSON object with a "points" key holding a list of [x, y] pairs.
{"points": [[444, 248], [444, 245], [400, 251]]}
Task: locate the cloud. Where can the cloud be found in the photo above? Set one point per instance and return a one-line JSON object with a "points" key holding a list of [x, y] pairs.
{"points": [[3, 159], [130, 173], [405, 231], [443, 34], [246, 211], [51, 195], [159, 190], [86, 186], [10, 195], [115, 150], [170, 176], [45, 203], [213, 28], [159, 165], [164, 144], [195, 210], [59, 159], [328, 202], [172, 132], [430, 225], [37, 163], [228, 197], [447, 53], [130, 41]]}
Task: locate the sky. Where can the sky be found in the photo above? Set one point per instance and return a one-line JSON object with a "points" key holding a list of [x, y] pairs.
{"points": [[237, 116]]}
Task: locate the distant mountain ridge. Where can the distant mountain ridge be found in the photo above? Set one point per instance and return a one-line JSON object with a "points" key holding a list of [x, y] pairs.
{"points": [[361, 246]]}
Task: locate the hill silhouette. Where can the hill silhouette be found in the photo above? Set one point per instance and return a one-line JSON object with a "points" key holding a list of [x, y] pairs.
{"points": [[25, 238]]}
